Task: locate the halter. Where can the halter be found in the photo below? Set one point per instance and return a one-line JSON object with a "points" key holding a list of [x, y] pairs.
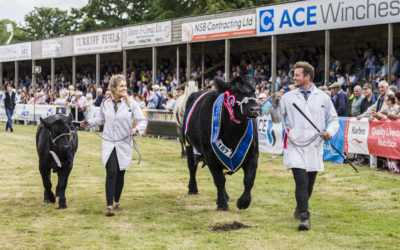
{"points": [[70, 134], [230, 101]]}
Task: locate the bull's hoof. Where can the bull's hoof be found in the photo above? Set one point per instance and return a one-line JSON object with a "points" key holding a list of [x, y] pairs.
{"points": [[243, 203], [183, 156], [193, 192], [223, 208], [49, 197], [62, 207]]}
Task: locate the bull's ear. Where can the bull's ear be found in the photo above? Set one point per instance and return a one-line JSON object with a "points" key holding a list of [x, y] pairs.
{"points": [[70, 118], [221, 85], [45, 124]]}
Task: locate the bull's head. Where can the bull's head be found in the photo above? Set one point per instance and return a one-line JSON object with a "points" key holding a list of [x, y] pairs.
{"points": [[244, 102], [61, 135]]}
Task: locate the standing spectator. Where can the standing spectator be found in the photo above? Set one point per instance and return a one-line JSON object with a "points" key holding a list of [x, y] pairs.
{"points": [[9, 101], [356, 104], [340, 99], [379, 104], [369, 98], [99, 97], [155, 98], [80, 104]]}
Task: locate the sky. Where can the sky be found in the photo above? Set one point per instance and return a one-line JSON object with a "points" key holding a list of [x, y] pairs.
{"points": [[16, 10]]}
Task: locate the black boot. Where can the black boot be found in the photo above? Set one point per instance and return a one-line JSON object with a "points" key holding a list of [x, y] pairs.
{"points": [[11, 129], [305, 222]]}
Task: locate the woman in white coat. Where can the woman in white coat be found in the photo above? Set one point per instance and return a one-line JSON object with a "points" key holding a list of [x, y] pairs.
{"points": [[304, 160], [117, 114]]}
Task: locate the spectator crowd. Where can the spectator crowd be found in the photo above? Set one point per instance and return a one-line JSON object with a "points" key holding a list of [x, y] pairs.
{"points": [[358, 88]]}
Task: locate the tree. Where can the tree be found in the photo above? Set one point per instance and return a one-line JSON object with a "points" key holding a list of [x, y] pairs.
{"points": [[42, 23], [19, 35], [103, 14]]}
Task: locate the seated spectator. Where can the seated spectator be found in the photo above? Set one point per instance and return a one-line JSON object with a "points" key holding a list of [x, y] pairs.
{"points": [[396, 115], [265, 105], [340, 99]]}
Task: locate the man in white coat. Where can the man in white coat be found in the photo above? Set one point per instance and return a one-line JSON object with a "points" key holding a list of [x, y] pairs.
{"points": [[304, 151], [117, 114]]}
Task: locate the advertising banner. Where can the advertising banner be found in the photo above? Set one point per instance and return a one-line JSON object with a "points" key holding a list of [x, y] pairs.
{"points": [[219, 28], [384, 138], [356, 136], [337, 141], [52, 48], [147, 34], [304, 16], [15, 52], [270, 135], [98, 42]]}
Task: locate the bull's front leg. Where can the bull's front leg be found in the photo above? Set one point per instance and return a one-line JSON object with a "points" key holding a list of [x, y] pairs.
{"points": [[219, 181], [45, 173], [63, 175], [248, 181], [192, 169]]}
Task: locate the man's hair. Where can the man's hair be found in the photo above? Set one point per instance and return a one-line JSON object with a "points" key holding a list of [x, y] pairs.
{"points": [[307, 69]]}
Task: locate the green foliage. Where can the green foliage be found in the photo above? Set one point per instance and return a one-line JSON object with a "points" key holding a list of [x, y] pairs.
{"points": [[19, 35], [42, 22]]}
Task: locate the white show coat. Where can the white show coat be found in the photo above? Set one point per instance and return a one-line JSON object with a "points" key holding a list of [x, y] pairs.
{"points": [[117, 126], [320, 110]]}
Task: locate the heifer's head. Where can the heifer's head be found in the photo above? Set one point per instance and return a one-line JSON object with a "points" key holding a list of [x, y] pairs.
{"points": [[61, 135], [240, 97]]}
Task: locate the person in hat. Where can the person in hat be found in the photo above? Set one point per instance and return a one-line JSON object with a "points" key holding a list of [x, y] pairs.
{"points": [[156, 99], [368, 100], [340, 99], [383, 87]]}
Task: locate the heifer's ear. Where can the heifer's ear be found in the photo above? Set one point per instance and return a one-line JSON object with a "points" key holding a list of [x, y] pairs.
{"points": [[70, 118], [221, 85], [45, 124]]}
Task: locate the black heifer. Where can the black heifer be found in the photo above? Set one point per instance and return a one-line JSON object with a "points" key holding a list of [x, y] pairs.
{"points": [[216, 125], [56, 145]]}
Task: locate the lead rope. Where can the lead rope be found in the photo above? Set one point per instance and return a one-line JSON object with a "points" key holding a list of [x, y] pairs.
{"points": [[132, 142], [315, 137]]}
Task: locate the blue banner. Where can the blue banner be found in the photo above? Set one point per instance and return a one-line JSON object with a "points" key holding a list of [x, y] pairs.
{"points": [[337, 141]]}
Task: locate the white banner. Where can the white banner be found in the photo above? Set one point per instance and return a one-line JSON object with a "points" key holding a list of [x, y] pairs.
{"points": [[315, 15], [146, 34], [270, 136], [356, 135], [219, 28], [15, 52], [98, 42], [52, 48]]}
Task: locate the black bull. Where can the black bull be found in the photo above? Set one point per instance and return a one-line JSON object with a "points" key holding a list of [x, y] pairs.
{"points": [[56, 134], [199, 132]]}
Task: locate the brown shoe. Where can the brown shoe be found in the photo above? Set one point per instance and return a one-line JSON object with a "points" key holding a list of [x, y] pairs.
{"points": [[305, 222], [110, 211], [117, 207]]}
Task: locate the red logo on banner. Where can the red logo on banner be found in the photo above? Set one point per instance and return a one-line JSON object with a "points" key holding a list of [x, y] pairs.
{"points": [[384, 138]]}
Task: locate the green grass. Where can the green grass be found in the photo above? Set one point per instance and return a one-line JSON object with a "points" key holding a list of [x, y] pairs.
{"points": [[348, 210]]}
